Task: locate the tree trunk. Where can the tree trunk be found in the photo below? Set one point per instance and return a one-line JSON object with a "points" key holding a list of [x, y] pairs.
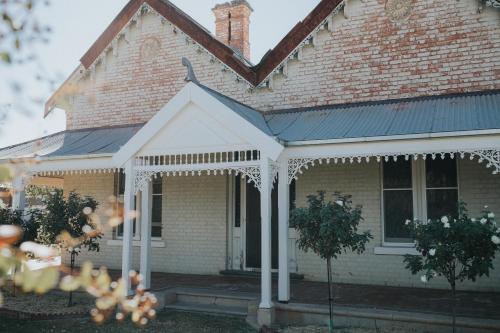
{"points": [[453, 305], [72, 265], [330, 293]]}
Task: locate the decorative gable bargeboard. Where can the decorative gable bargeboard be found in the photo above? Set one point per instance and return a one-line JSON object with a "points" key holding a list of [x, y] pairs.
{"points": [[342, 52]]}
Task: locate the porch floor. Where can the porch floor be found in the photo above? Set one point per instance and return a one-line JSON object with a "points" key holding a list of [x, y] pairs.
{"points": [[470, 304]]}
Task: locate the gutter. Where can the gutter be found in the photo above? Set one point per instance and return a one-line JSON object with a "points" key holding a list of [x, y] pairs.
{"points": [[394, 137]]}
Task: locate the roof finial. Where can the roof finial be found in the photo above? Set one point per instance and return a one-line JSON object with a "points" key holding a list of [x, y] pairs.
{"points": [[190, 77]]}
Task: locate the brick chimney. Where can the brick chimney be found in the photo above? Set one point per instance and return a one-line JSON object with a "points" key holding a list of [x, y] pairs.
{"points": [[232, 25]]}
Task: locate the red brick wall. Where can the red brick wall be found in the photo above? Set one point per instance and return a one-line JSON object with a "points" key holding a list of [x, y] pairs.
{"points": [[442, 47], [232, 25]]}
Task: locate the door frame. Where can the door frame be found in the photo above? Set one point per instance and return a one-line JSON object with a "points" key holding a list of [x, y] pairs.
{"points": [[239, 234]]}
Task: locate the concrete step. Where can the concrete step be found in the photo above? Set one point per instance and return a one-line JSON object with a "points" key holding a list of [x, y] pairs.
{"points": [[209, 301], [210, 297], [256, 274], [209, 308]]}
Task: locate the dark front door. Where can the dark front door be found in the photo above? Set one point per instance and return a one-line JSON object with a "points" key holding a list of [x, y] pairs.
{"points": [[253, 227]]}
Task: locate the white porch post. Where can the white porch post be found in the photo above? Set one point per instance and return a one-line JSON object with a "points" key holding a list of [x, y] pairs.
{"points": [[128, 199], [146, 236], [265, 308], [283, 216], [18, 194]]}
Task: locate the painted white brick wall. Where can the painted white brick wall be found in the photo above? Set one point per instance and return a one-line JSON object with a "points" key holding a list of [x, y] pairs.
{"points": [[194, 223], [478, 187]]}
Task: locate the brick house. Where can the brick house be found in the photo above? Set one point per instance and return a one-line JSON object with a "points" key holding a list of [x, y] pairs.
{"points": [[395, 102]]}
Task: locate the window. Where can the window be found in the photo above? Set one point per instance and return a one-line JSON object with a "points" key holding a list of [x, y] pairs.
{"points": [[441, 188], [417, 189], [156, 207], [293, 195], [119, 192], [237, 201], [398, 200]]}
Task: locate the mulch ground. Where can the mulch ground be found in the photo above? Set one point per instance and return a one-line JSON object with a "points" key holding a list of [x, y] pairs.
{"points": [[48, 306]]}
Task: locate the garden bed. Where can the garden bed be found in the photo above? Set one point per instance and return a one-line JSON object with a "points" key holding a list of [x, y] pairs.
{"points": [[48, 306]]}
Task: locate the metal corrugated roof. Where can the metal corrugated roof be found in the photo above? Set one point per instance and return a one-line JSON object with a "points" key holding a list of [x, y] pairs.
{"points": [[103, 140], [250, 114], [422, 115]]}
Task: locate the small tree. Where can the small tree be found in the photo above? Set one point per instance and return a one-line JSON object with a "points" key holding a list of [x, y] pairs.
{"points": [[329, 229], [457, 249], [67, 224]]}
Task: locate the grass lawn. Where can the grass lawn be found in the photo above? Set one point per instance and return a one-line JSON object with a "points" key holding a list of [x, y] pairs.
{"points": [[171, 322]]}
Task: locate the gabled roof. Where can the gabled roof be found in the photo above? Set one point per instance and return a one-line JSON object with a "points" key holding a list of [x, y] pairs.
{"points": [[220, 116], [255, 75]]}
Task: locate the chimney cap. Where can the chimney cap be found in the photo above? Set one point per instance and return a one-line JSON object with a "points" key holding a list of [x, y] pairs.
{"points": [[233, 3]]}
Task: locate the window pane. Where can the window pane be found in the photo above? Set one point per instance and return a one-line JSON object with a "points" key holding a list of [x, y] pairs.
{"points": [[156, 208], [398, 207], [121, 183], [441, 173], [237, 201], [293, 195], [441, 203], [397, 174], [157, 186], [156, 231]]}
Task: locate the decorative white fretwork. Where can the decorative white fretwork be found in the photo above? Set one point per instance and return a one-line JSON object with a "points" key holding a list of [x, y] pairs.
{"points": [[143, 177], [63, 172], [295, 166], [253, 173], [491, 156], [493, 3], [296, 53]]}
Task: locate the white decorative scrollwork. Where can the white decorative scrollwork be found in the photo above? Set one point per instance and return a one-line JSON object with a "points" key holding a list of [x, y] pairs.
{"points": [[253, 173], [493, 3], [492, 156], [142, 179], [295, 166]]}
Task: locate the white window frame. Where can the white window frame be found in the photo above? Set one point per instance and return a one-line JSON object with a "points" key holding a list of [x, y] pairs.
{"points": [[137, 234], [419, 195], [157, 223]]}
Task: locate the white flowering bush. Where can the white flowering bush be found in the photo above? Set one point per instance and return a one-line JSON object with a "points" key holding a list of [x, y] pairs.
{"points": [[456, 249]]}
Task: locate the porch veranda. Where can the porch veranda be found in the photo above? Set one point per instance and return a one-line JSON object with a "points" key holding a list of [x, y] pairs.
{"points": [[200, 132]]}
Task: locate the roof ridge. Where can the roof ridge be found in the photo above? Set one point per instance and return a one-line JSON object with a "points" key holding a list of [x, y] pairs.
{"points": [[228, 97]]}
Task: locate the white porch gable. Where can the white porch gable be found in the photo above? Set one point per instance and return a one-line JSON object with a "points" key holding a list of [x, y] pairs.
{"points": [[194, 121], [194, 130]]}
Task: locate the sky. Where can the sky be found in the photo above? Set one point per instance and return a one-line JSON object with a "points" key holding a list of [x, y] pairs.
{"points": [[76, 24]]}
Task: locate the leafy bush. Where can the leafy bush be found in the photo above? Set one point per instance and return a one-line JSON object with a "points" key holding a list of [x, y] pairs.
{"points": [[67, 223], [329, 229], [26, 220], [68, 216]]}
